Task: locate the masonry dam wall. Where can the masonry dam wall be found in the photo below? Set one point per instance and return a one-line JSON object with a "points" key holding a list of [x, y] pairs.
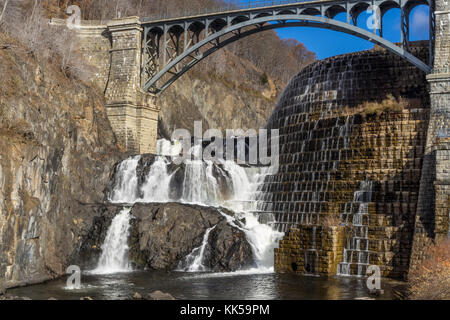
{"points": [[347, 188]]}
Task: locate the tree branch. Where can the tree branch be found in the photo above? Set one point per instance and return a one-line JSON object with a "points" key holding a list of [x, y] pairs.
{"points": [[4, 9]]}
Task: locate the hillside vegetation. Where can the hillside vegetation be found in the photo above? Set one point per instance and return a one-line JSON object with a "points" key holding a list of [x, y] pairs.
{"points": [[430, 280]]}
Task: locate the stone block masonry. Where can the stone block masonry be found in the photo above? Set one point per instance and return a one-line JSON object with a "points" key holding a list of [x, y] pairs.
{"points": [[94, 44], [133, 113], [385, 150], [114, 49], [433, 208], [361, 167], [310, 250]]}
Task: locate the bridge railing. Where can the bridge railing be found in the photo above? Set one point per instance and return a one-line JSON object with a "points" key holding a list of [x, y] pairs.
{"points": [[231, 5]]}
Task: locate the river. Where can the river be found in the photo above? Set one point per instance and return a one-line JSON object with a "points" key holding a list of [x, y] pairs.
{"points": [[212, 286]]}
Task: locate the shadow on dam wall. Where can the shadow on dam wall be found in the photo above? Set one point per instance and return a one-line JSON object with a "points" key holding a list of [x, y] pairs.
{"points": [[347, 188]]}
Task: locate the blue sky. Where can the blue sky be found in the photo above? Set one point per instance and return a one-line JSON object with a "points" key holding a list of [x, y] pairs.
{"points": [[326, 43]]}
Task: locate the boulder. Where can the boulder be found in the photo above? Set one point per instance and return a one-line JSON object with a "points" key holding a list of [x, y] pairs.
{"points": [[165, 234], [12, 298], [229, 249], [137, 296], [158, 295]]}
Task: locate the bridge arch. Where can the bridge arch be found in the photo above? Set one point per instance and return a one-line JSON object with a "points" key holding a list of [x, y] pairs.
{"points": [[239, 19], [333, 11], [242, 29], [359, 8], [411, 4], [388, 5], [285, 12], [311, 11], [218, 24]]}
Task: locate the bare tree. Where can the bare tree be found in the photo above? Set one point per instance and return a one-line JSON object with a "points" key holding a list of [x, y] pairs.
{"points": [[3, 10]]}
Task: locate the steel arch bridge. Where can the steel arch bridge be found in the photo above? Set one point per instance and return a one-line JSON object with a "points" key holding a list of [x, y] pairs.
{"points": [[172, 46]]}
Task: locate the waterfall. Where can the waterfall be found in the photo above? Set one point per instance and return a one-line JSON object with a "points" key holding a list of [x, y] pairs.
{"points": [[356, 251], [203, 183], [262, 238], [247, 198], [168, 148], [194, 261], [200, 186], [156, 186], [125, 190], [114, 257]]}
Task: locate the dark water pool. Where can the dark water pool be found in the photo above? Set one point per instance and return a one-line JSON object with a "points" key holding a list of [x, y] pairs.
{"points": [[194, 286]]}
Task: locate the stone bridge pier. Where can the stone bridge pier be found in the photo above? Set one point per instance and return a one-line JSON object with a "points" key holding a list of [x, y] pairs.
{"points": [[433, 208], [132, 112]]}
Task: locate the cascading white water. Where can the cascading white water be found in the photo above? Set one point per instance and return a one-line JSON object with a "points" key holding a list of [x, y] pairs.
{"points": [[126, 189], [262, 238], [356, 251], [194, 261], [156, 186], [201, 186], [167, 148], [114, 257]]}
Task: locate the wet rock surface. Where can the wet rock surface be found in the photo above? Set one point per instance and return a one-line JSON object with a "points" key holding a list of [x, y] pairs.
{"points": [[159, 295], [229, 249], [156, 295], [88, 250], [167, 233], [163, 235]]}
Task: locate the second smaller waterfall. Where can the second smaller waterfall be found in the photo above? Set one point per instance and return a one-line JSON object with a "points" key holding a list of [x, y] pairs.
{"points": [[194, 261], [114, 257]]}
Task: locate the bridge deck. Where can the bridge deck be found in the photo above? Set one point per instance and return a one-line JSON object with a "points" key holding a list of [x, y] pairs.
{"points": [[226, 11]]}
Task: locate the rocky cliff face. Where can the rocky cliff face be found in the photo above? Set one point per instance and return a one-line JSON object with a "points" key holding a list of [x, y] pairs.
{"points": [[56, 148], [237, 99]]}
